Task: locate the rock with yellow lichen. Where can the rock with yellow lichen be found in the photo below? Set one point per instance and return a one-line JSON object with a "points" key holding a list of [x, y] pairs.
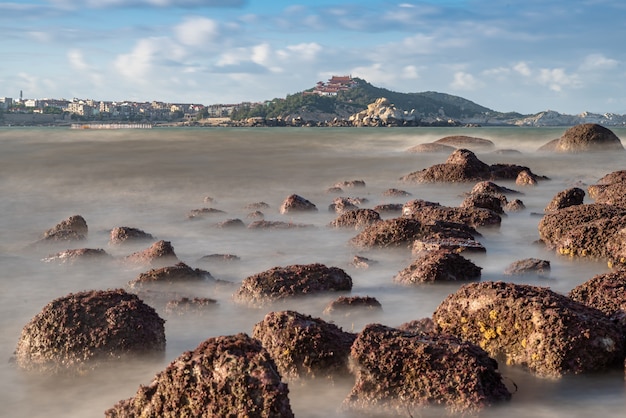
{"points": [[549, 334]]}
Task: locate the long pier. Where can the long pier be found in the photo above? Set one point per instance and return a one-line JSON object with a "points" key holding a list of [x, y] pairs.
{"points": [[111, 126]]}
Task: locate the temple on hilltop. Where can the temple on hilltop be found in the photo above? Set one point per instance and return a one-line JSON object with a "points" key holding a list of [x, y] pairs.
{"points": [[333, 86]]}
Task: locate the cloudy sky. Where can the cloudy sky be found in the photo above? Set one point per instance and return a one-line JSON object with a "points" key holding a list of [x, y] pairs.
{"points": [[508, 55]]}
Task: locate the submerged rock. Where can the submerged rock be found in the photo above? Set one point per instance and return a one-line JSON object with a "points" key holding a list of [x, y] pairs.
{"points": [[348, 305], [295, 203], [178, 273], [467, 142], [296, 280], [528, 266], [125, 234], [399, 373], [161, 253], [357, 218], [470, 216], [548, 333], [224, 376], [585, 137], [437, 266], [75, 224], [81, 331], [303, 346], [396, 232], [187, 305], [78, 255]]}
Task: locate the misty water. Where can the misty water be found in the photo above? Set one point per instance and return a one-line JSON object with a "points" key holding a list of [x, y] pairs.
{"points": [[152, 179]]}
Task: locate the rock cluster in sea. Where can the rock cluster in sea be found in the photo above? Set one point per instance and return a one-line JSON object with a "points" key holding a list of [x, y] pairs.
{"points": [[448, 361]]}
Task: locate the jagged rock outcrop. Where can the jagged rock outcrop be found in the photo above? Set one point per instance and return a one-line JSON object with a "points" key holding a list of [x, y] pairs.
{"points": [[438, 266], [383, 113], [159, 254], [295, 203]]}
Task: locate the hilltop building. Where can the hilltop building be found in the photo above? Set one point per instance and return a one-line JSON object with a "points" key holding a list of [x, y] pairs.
{"points": [[334, 85]]}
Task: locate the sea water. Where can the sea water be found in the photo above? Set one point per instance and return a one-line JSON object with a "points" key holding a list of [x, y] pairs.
{"points": [[152, 179]]}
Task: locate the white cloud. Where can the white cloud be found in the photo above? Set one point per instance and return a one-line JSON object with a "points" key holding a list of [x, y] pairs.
{"points": [[523, 69], [596, 62], [410, 72], [465, 81], [77, 61], [302, 52], [196, 31], [99, 4], [556, 79], [138, 63]]}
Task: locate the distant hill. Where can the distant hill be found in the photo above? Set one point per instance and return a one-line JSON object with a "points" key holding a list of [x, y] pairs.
{"points": [[428, 104]]}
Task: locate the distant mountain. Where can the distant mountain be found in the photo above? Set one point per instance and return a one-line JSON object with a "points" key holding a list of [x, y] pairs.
{"points": [[552, 118], [428, 105]]}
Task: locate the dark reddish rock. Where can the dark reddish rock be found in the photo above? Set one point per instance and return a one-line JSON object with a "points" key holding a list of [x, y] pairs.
{"points": [[400, 373], [493, 202], [467, 142], [257, 206], [350, 183], [231, 223], [220, 257], [588, 230], [125, 234], [565, 198], [358, 218], [187, 305], [452, 244], [514, 205], [295, 203], [463, 166], [361, 262], [548, 333], [432, 147], [348, 305], [202, 212], [396, 193], [75, 224], [610, 189], [605, 292], [528, 266], [257, 214], [296, 280], [78, 255], [474, 217], [82, 331], [342, 204], [420, 326], [416, 204], [526, 178], [389, 208], [613, 177], [396, 232], [264, 224], [303, 346], [161, 253], [224, 376], [490, 187], [438, 266], [169, 275], [586, 137]]}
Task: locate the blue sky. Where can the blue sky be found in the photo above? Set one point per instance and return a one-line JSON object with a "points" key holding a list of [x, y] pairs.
{"points": [[524, 56]]}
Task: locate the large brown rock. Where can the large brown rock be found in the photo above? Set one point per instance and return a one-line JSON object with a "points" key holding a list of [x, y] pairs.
{"points": [[296, 203], [358, 218], [400, 373], [81, 331], [75, 224], [159, 254], [303, 346], [588, 230], [565, 198], [471, 216], [178, 273], [548, 333], [77, 255], [296, 280], [610, 189], [587, 137], [395, 232], [223, 377], [438, 266], [125, 234], [606, 292], [467, 142]]}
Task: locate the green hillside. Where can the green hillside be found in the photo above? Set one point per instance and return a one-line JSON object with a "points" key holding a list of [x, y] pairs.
{"points": [[356, 99]]}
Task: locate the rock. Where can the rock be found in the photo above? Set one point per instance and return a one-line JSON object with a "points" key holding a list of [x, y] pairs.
{"points": [[489, 201], [161, 253], [415, 205], [396, 193], [565, 198], [257, 214], [264, 224], [348, 305], [388, 208], [75, 224], [432, 147], [605, 292], [170, 275], [526, 178], [222, 375], [82, 331], [451, 244], [257, 206], [341, 205], [383, 113], [587, 137], [78, 255], [463, 166], [296, 280], [514, 205], [362, 262], [437, 266], [420, 326], [303, 346], [202, 212], [528, 266], [490, 187], [220, 257], [334, 189], [396, 232], [125, 234], [474, 217], [357, 218], [610, 189], [350, 184], [231, 223], [400, 373], [466, 142], [588, 230], [532, 326], [187, 305], [295, 203]]}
